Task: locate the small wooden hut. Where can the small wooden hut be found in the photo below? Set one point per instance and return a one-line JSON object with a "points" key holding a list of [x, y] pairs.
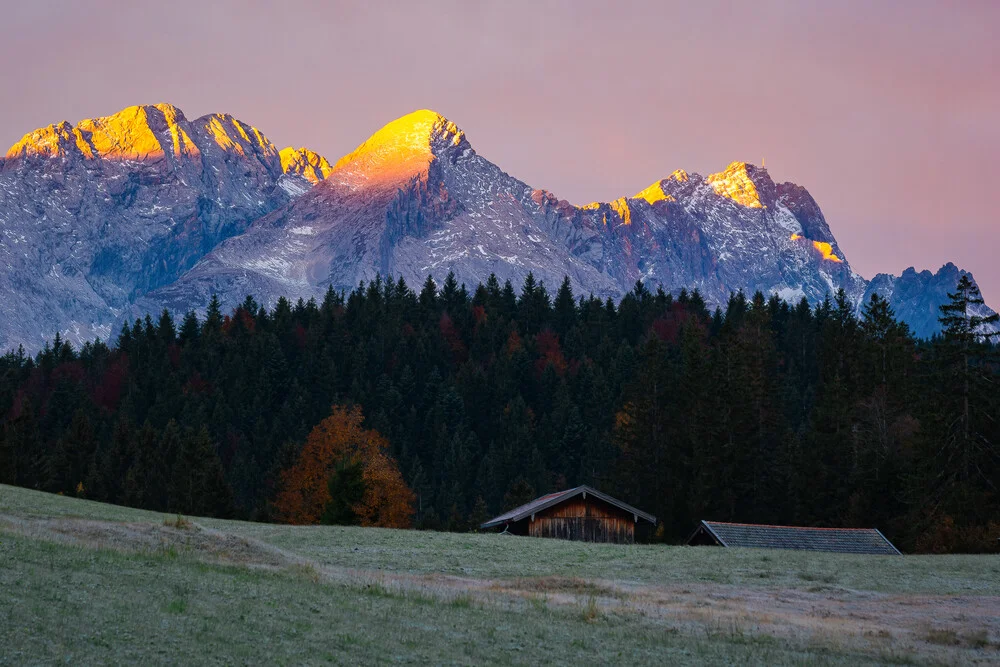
{"points": [[582, 514]]}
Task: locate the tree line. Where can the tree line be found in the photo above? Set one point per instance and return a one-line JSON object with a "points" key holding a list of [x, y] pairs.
{"points": [[759, 411]]}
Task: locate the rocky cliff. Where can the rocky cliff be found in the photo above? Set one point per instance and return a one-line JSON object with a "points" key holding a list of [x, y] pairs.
{"points": [[94, 215]]}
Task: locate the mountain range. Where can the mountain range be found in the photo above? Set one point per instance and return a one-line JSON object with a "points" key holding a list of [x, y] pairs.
{"points": [[117, 217]]}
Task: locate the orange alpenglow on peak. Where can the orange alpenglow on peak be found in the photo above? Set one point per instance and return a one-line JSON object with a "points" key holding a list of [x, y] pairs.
{"points": [[129, 134], [140, 133], [655, 193], [51, 141], [735, 183], [231, 135], [825, 249], [400, 150], [309, 165], [620, 206]]}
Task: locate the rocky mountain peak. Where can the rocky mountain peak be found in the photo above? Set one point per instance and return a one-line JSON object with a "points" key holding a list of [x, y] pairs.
{"points": [[666, 189], [50, 141], [305, 163], [654, 193], [400, 150], [143, 133], [139, 133], [235, 136], [746, 184]]}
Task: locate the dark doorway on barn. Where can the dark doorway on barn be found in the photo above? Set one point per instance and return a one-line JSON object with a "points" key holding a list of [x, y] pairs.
{"points": [[583, 514]]}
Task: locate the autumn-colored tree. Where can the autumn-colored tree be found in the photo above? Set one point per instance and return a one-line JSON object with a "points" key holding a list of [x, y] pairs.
{"points": [[340, 438]]}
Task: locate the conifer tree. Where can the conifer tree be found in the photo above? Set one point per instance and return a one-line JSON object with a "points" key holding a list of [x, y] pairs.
{"points": [[428, 295], [961, 471], [8, 458], [197, 485], [190, 329], [213, 316], [565, 308], [165, 329]]}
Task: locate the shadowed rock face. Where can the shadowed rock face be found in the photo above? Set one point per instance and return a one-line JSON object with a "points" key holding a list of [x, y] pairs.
{"points": [[915, 296], [122, 216]]}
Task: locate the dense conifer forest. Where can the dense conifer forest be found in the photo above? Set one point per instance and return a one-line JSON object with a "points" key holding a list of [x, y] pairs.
{"points": [[762, 411]]}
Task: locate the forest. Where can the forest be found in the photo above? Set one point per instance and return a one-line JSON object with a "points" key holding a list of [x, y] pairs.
{"points": [[440, 407]]}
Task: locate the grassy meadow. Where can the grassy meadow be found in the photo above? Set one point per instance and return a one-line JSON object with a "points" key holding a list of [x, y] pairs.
{"points": [[84, 582]]}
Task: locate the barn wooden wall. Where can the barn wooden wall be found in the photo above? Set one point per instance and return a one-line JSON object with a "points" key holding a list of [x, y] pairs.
{"points": [[585, 520]]}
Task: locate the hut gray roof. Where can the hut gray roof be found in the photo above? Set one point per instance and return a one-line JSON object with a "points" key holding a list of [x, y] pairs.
{"points": [[838, 540]]}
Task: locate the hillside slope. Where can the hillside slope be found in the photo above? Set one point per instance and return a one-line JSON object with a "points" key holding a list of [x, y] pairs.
{"points": [[98, 583]]}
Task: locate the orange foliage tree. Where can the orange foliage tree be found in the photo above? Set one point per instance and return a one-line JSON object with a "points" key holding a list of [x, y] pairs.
{"points": [[304, 490]]}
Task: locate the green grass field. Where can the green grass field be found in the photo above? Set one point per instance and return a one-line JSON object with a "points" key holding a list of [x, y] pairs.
{"points": [[89, 583]]}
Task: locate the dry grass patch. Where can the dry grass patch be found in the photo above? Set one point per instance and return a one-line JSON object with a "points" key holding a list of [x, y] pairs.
{"points": [[172, 538], [975, 639], [179, 522], [554, 586], [943, 636], [591, 612]]}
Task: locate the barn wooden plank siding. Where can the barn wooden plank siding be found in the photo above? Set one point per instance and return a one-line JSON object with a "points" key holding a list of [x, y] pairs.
{"points": [[582, 514]]}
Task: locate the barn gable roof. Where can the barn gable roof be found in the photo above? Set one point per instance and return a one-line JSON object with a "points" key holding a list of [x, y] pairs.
{"points": [[838, 540], [551, 499]]}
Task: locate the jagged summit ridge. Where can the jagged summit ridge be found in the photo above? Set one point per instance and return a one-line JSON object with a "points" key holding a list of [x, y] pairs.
{"points": [[154, 132], [744, 183], [132, 133]]}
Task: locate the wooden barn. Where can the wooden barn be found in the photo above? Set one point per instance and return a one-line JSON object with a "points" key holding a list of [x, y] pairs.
{"points": [[582, 514], [749, 535]]}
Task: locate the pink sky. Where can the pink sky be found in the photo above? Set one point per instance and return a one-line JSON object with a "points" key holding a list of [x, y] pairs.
{"points": [[889, 113]]}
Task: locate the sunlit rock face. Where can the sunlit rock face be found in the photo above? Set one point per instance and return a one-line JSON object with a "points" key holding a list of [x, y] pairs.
{"points": [[121, 216], [96, 214], [745, 184], [303, 162]]}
